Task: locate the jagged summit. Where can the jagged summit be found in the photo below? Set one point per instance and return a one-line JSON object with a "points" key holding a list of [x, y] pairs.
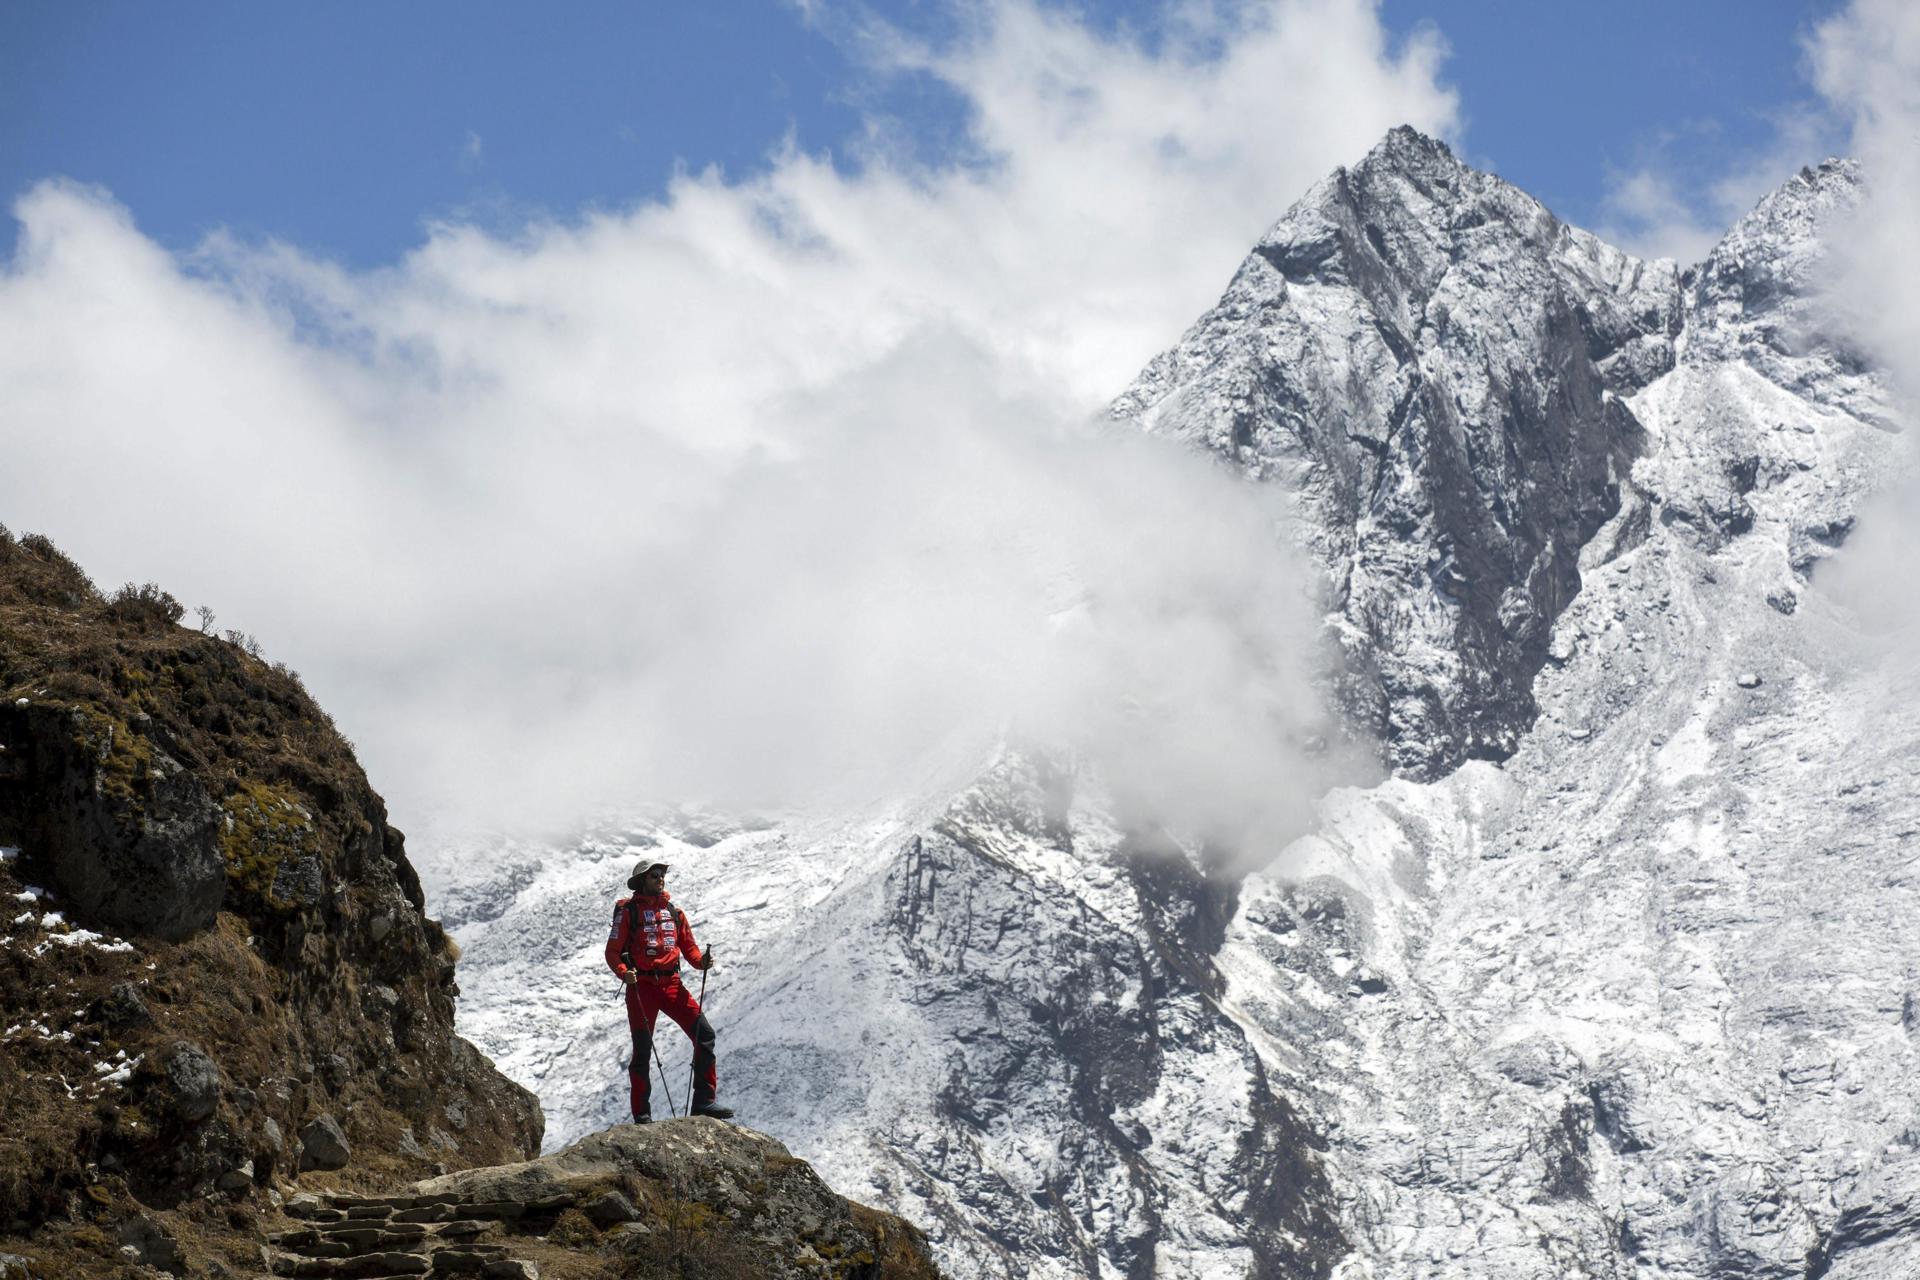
{"points": [[1435, 364], [1758, 298], [1409, 150]]}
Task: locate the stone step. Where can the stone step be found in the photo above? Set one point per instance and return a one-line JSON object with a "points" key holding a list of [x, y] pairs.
{"points": [[495, 1210], [428, 1213], [368, 1238], [464, 1228], [350, 1200], [449, 1263], [366, 1266], [353, 1200], [310, 1209]]}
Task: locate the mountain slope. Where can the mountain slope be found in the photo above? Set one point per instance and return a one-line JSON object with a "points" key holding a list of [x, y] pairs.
{"points": [[1621, 994], [216, 971]]}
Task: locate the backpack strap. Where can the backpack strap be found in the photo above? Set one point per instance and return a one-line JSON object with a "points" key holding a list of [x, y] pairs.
{"points": [[633, 930]]}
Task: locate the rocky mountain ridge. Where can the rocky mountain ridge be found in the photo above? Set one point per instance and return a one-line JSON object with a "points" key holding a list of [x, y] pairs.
{"points": [[1516, 1012]]}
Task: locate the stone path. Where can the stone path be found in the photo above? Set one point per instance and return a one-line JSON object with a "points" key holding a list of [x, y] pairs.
{"points": [[351, 1237]]}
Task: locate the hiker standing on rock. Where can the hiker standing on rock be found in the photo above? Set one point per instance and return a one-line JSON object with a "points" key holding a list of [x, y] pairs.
{"points": [[649, 936]]}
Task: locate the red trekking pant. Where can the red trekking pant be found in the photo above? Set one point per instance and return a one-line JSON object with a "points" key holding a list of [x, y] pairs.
{"points": [[646, 1000]]}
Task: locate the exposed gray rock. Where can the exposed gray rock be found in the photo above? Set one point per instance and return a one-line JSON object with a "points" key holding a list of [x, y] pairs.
{"points": [[193, 1081], [323, 1144], [610, 1209], [131, 837], [238, 1178], [151, 1245], [744, 1178], [124, 1007]]}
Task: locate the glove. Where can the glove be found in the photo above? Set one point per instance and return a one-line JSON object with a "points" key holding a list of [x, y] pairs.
{"points": [[706, 960]]}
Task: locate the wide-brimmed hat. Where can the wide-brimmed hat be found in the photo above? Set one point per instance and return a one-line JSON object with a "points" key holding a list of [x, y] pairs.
{"points": [[641, 868]]}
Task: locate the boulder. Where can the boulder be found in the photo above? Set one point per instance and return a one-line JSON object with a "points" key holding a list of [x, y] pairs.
{"points": [[132, 838], [147, 1242], [193, 1081], [124, 1007], [325, 1145], [610, 1209]]}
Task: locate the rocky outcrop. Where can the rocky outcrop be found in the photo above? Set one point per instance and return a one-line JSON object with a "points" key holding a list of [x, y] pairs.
{"points": [[688, 1196], [131, 837], [682, 1198], [223, 974]]}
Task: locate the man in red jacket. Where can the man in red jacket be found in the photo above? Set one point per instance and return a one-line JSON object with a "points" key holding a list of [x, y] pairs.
{"points": [[649, 936]]}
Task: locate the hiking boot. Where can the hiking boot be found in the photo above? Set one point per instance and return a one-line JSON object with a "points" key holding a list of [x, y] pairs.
{"points": [[708, 1107], [643, 1119]]}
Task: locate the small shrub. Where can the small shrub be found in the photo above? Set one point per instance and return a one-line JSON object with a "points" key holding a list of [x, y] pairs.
{"points": [[243, 642], [573, 1229], [60, 581], [145, 605]]}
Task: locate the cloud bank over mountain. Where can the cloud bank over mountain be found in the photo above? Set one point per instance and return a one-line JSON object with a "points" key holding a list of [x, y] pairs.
{"points": [[775, 488], [1866, 62]]}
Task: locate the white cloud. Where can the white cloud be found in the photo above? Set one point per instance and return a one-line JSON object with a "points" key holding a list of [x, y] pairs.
{"points": [[1647, 213], [1866, 61], [1662, 208], [767, 490]]}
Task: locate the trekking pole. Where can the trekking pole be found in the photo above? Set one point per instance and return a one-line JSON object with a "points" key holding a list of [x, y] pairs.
{"points": [[695, 1066], [664, 1086]]}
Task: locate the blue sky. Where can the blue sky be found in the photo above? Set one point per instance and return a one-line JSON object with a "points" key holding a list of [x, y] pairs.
{"points": [[343, 130], [419, 341]]}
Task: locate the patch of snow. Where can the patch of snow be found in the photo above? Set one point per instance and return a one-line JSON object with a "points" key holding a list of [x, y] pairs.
{"points": [[85, 938]]}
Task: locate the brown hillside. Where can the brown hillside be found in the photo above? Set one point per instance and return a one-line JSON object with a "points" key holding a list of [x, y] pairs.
{"points": [[215, 966]]}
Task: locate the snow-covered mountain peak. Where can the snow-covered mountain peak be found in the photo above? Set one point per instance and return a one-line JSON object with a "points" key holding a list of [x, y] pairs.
{"points": [[1434, 364], [1761, 297]]}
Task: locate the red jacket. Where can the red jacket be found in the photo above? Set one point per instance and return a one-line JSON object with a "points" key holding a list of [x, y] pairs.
{"points": [[652, 933]]}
